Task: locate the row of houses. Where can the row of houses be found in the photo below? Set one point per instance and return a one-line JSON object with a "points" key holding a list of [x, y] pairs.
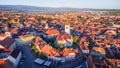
{"points": [[9, 54]]}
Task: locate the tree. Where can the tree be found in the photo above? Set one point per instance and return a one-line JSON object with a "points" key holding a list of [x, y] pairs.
{"points": [[41, 55], [49, 19], [61, 47], [75, 39], [34, 48], [39, 18]]}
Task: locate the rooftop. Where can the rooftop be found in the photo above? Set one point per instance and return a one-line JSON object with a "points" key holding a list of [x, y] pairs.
{"points": [[7, 42], [15, 53], [52, 32]]}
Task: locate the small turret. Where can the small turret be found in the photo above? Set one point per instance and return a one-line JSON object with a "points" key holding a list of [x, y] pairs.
{"points": [[8, 34]]}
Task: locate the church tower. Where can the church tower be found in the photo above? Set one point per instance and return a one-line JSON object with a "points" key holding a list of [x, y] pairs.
{"points": [[67, 29]]}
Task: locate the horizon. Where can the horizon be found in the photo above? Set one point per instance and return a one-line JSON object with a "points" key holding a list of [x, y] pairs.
{"points": [[62, 7], [95, 4]]}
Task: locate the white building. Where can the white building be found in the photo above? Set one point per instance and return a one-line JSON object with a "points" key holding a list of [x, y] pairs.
{"points": [[15, 57], [8, 34], [67, 29]]}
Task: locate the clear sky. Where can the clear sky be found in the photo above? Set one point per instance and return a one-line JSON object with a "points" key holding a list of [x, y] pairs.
{"points": [[105, 4]]}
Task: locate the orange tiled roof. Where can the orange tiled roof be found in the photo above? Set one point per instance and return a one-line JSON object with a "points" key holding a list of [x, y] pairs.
{"points": [[66, 51], [99, 49], [6, 64], [117, 41], [40, 47], [14, 31], [93, 32], [105, 28], [76, 50], [57, 54], [2, 61], [52, 32], [64, 37], [113, 61], [59, 37], [2, 35], [83, 39], [48, 50]]}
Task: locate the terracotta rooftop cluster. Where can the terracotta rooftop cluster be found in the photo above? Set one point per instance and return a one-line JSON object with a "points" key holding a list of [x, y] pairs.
{"points": [[51, 51]]}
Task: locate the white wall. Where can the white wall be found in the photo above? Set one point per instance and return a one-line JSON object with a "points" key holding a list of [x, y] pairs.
{"points": [[18, 58], [10, 58], [1, 46], [2, 37], [15, 61]]}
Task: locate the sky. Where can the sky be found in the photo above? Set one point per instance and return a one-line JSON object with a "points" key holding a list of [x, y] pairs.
{"points": [[99, 4]]}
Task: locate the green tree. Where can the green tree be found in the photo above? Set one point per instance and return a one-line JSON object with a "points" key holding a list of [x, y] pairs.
{"points": [[49, 19], [41, 55], [36, 51], [75, 39], [34, 47], [39, 18], [88, 43], [61, 47]]}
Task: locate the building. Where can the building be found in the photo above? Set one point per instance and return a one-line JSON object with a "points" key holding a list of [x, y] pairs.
{"points": [[8, 43], [27, 37], [51, 33], [5, 63], [64, 39], [67, 29], [98, 51], [48, 50], [15, 57], [4, 35], [83, 45]]}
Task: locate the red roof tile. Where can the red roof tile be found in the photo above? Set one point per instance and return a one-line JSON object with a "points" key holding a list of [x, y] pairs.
{"points": [[48, 50], [52, 32], [2, 35], [66, 51], [14, 31], [64, 37]]}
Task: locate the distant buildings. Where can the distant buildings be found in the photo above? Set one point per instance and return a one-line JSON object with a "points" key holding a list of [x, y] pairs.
{"points": [[97, 29]]}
